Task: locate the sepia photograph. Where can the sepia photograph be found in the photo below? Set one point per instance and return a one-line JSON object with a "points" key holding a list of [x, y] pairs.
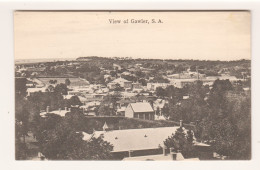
{"points": [[132, 85]]}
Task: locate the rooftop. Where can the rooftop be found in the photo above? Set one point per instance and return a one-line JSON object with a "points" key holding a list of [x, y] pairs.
{"points": [[136, 139], [141, 107], [61, 113], [168, 157], [119, 80]]}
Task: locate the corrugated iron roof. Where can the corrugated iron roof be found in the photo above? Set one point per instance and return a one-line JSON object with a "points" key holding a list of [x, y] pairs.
{"points": [[141, 107], [137, 139]]}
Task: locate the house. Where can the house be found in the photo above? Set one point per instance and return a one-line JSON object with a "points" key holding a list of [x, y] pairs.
{"points": [[121, 81], [172, 156], [120, 111], [59, 112], [116, 66], [124, 102], [180, 83], [138, 144], [146, 143], [140, 110], [137, 85], [34, 90], [153, 86], [135, 142]]}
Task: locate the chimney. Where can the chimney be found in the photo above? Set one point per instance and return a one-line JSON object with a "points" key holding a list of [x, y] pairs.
{"points": [[66, 108], [69, 109], [48, 109], [164, 150], [181, 124], [130, 153], [59, 109], [197, 122], [173, 154]]}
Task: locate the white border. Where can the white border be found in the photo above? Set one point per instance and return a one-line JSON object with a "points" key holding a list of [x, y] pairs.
{"points": [[7, 83]]}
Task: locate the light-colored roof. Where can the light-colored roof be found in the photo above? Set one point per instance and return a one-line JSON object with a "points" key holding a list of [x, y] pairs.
{"points": [[137, 139], [67, 96], [246, 88], [82, 99], [201, 144], [32, 90], [120, 80], [168, 157], [141, 107], [87, 136], [185, 97], [61, 113]]}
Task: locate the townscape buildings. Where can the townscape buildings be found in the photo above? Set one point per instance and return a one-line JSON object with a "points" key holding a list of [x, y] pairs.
{"points": [[136, 93]]}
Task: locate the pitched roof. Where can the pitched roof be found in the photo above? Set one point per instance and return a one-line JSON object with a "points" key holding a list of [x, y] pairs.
{"points": [[119, 80], [136, 139], [61, 113], [141, 107], [179, 157]]}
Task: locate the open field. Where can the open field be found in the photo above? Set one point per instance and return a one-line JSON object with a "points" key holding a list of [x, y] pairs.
{"points": [[73, 81]]}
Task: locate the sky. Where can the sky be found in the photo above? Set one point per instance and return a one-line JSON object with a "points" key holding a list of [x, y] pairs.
{"points": [[181, 35]]}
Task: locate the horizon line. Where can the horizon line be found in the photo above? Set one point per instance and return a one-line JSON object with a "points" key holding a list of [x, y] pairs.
{"points": [[133, 58]]}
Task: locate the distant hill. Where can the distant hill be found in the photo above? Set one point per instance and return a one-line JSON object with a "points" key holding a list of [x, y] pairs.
{"points": [[41, 60]]}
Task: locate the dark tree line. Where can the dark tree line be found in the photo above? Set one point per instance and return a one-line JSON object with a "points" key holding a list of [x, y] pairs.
{"points": [[223, 113]]}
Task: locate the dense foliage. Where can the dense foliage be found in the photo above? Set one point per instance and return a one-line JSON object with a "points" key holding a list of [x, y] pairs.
{"points": [[181, 142]]}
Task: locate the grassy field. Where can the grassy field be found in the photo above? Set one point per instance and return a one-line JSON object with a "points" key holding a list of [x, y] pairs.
{"points": [[73, 81]]}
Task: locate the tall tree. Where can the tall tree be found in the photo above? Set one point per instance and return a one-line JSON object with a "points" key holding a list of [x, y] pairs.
{"points": [[161, 92], [61, 89], [181, 141], [65, 142], [229, 133]]}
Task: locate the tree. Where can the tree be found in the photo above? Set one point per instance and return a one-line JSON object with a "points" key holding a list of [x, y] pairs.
{"points": [[65, 142], [166, 110], [61, 89], [20, 146], [21, 126], [143, 82], [20, 86], [193, 68], [74, 101], [118, 88], [161, 92], [50, 88], [159, 79], [230, 133], [105, 110], [181, 142], [217, 100], [67, 82], [157, 111], [44, 124], [113, 73]]}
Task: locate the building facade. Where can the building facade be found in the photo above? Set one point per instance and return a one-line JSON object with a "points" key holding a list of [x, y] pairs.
{"points": [[140, 110]]}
